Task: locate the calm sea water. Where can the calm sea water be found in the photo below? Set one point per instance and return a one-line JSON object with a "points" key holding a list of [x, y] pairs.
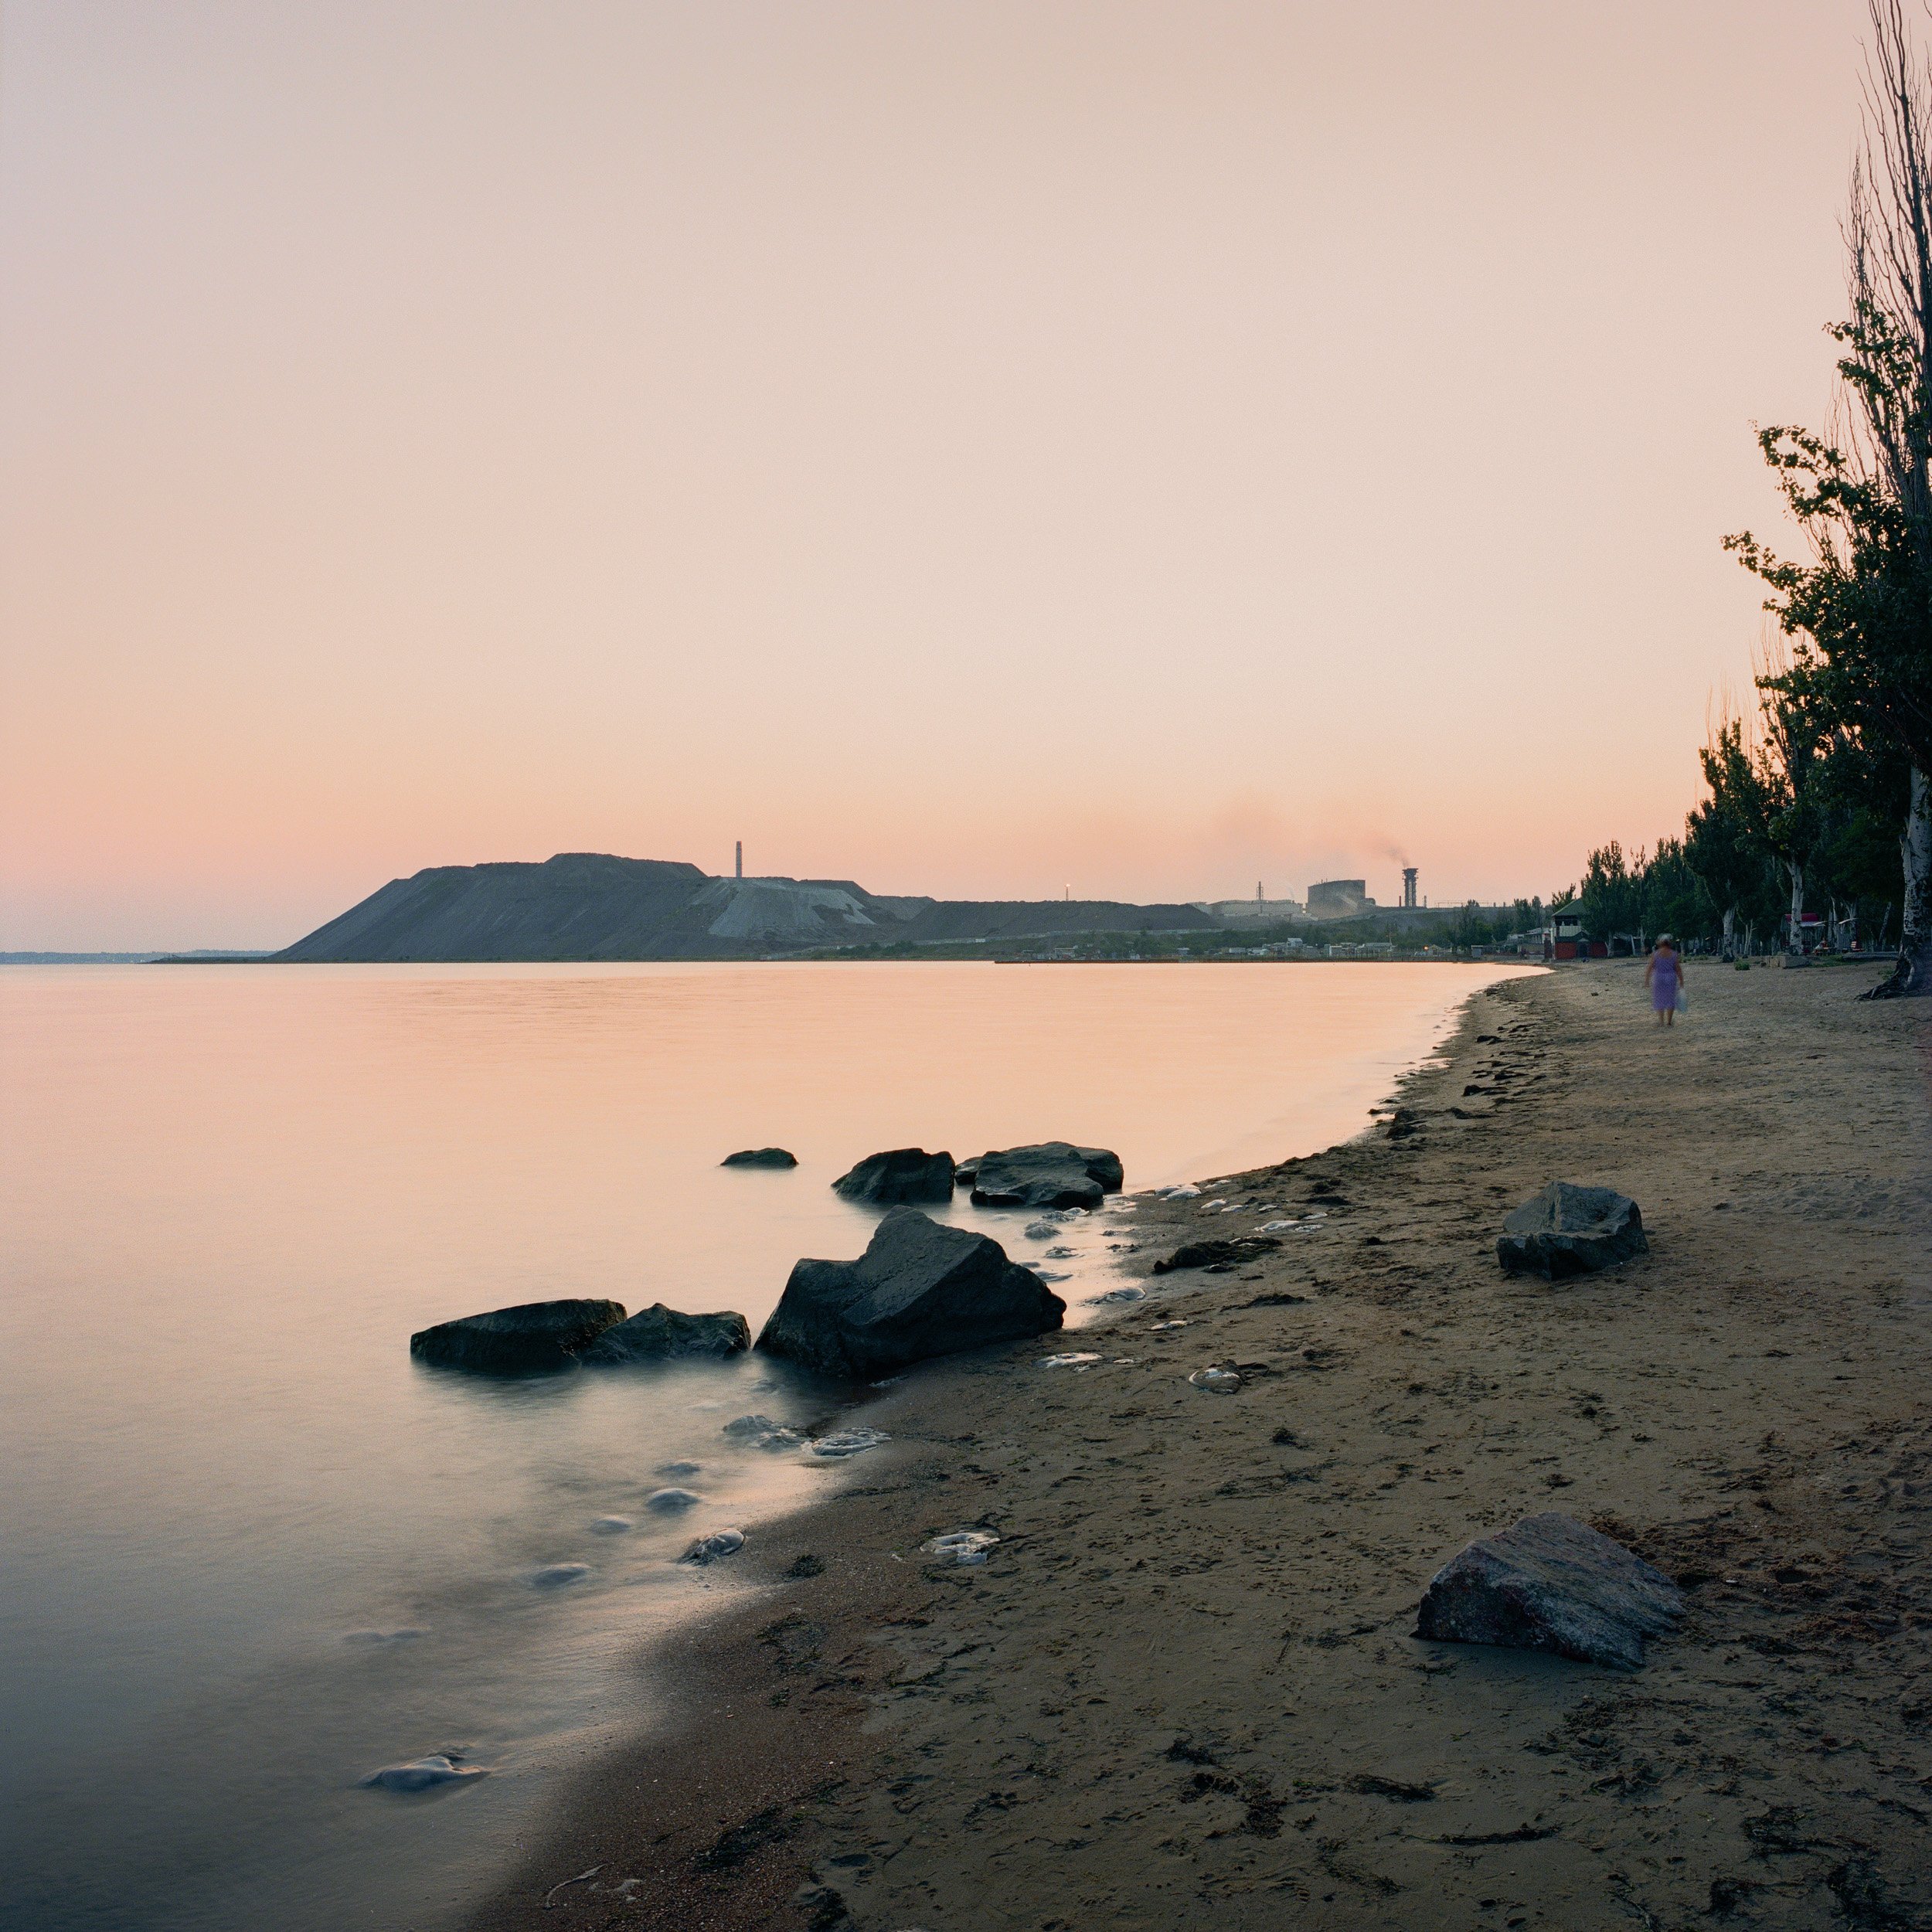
{"points": [[229, 1194]]}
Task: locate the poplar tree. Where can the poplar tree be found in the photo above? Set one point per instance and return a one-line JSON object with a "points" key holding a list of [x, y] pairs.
{"points": [[1859, 613]]}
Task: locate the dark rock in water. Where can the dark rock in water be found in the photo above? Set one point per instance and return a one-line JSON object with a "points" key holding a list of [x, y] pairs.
{"points": [[1208, 1254], [1569, 1230], [919, 1290], [1054, 1174], [1553, 1583], [966, 1173], [760, 1157], [556, 1575], [658, 1334], [708, 1549], [680, 1469], [423, 1775], [671, 1502], [528, 1338], [610, 1526], [904, 1175]]}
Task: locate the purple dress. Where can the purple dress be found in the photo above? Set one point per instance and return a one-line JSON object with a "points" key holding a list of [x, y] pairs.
{"points": [[1663, 981]]}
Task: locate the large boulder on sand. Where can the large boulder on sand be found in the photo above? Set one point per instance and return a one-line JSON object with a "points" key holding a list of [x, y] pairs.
{"points": [[919, 1290], [658, 1334], [1553, 1583], [895, 1178], [526, 1339], [1569, 1230], [1053, 1174]]}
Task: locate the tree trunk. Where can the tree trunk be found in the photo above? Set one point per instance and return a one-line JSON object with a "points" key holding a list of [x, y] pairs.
{"points": [[1797, 904], [1730, 919], [1912, 976]]}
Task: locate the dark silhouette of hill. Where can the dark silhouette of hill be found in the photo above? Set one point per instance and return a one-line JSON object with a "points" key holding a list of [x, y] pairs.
{"points": [[590, 906]]}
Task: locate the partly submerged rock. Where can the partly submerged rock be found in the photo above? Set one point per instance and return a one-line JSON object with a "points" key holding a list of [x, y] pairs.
{"points": [[658, 1334], [528, 1338], [1052, 1173], [760, 1157], [1551, 1583], [901, 1175], [760, 1432], [556, 1575], [611, 1525], [1569, 1230], [1211, 1254], [708, 1549], [422, 1774], [671, 1502], [919, 1290]]}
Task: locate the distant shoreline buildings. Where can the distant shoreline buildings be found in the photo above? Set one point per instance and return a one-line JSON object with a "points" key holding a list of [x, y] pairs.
{"points": [[1328, 898]]}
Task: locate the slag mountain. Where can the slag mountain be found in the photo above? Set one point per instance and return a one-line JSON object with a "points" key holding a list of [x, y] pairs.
{"points": [[590, 905]]}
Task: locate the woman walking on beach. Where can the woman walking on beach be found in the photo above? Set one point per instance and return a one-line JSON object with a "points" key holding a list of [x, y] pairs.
{"points": [[1663, 976]]}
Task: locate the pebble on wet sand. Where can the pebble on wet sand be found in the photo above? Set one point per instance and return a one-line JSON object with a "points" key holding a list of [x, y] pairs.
{"points": [[1220, 1381], [848, 1442], [960, 1546], [421, 1774], [708, 1549]]}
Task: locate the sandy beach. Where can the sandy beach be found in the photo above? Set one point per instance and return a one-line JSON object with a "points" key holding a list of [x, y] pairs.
{"points": [[1185, 1687]]}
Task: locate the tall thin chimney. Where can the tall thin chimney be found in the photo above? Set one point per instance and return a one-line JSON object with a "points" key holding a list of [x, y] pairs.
{"points": [[740, 872]]}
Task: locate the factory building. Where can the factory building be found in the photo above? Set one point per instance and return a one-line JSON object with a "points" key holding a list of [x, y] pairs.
{"points": [[1339, 899]]}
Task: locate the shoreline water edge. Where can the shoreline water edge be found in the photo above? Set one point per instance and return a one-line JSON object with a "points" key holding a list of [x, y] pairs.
{"points": [[1184, 1679]]}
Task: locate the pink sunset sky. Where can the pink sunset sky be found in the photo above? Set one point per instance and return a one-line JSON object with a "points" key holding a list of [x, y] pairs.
{"points": [[970, 447]]}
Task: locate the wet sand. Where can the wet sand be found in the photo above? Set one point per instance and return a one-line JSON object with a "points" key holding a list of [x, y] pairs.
{"points": [[1185, 1687]]}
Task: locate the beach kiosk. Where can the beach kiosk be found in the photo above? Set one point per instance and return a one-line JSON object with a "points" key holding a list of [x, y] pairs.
{"points": [[1564, 937]]}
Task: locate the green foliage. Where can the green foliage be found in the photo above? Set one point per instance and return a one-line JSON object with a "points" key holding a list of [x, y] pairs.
{"points": [[1858, 615], [1634, 900], [1611, 902], [1720, 845], [1673, 900]]}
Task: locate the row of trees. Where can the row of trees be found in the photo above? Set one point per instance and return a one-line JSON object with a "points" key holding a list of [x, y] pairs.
{"points": [[1820, 795], [1726, 885]]}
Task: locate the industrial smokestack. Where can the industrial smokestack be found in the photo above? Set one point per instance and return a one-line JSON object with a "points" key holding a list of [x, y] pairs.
{"points": [[1409, 887], [740, 872]]}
